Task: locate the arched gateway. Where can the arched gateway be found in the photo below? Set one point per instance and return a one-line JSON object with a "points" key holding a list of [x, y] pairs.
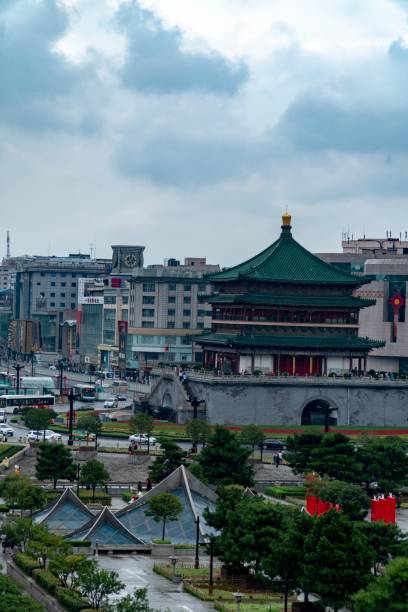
{"points": [[319, 412]]}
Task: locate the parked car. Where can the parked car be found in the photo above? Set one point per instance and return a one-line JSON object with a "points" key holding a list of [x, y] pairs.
{"points": [[6, 431], [50, 436], [83, 435], [110, 403], [52, 367], [271, 444], [142, 439], [121, 398]]}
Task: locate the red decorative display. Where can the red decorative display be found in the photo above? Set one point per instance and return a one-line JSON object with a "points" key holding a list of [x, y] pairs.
{"points": [[397, 301], [315, 505], [384, 509]]}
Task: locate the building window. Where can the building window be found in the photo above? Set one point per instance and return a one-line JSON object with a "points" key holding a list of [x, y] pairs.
{"points": [[200, 313], [187, 300], [172, 300], [63, 274], [62, 295], [109, 299], [63, 284], [185, 340], [172, 286], [171, 312], [125, 314], [186, 313], [73, 294], [187, 287], [147, 323], [42, 273], [62, 304], [53, 284], [52, 294], [52, 304], [73, 284], [38, 284], [149, 287], [53, 274], [186, 325], [73, 306], [200, 325], [170, 324], [147, 312], [148, 299], [125, 299]]}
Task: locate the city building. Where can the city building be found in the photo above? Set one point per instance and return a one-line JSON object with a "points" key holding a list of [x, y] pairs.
{"points": [[46, 291], [167, 307], [383, 262], [285, 311], [115, 313]]}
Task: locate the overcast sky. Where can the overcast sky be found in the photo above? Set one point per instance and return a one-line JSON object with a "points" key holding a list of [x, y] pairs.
{"points": [[188, 126]]}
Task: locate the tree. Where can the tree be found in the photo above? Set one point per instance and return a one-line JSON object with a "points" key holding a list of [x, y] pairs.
{"points": [[354, 502], [388, 592], [68, 569], [137, 602], [249, 528], [93, 474], [98, 584], [20, 492], [142, 423], [331, 455], [19, 531], [46, 545], [12, 600], [336, 559], [252, 435], [199, 431], [385, 541], [173, 456], [39, 418], [284, 567], [196, 469], [164, 507], [90, 424], [54, 461], [224, 460], [384, 462]]}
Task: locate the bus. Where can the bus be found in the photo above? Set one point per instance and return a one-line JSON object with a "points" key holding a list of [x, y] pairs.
{"points": [[86, 392], [13, 404], [38, 384]]}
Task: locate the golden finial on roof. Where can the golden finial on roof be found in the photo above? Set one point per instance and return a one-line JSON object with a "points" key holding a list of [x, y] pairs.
{"points": [[286, 219]]}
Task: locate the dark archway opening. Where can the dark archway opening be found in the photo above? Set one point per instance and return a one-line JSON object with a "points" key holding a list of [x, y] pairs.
{"points": [[319, 412]]}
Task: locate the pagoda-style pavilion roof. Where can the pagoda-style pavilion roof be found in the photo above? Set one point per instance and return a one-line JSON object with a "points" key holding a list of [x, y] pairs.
{"points": [[64, 514], [267, 299], [107, 530], [286, 261], [194, 496], [290, 342]]}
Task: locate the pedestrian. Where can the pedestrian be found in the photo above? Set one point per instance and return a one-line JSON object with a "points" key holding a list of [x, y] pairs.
{"points": [[280, 455], [275, 457], [277, 460], [148, 485], [139, 486]]}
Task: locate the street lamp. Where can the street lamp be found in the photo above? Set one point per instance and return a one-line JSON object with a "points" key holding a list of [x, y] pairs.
{"points": [[197, 558], [195, 404], [238, 598], [18, 367], [211, 583], [71, 397], [61, 371]]}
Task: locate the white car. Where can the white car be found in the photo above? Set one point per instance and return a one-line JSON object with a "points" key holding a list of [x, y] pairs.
{"points": [[110, 404], [50, 436], [6, 431], [52, 367], [142, 439]]}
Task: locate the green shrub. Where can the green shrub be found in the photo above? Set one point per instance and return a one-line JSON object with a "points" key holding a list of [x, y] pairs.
{"points": [[8, 450], [282, 492], [71, 600], [27, 563], [100, 498], [46, 579], [126, 496], [158, 541], [4, 508], [80, 543]]}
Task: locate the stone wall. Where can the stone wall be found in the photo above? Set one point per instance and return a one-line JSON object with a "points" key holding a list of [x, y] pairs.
{"points": [[32, 588]]}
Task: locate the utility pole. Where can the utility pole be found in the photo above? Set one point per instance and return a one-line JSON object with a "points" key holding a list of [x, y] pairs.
{"points": [[18, 367], [71, 397], [197, 558], [61, 371]]}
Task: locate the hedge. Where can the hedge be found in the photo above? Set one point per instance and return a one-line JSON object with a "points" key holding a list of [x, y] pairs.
{"points": [[80, 543], [8, 450], [71, 600], [4, 508], [282, 492], [26, 563], [102, 498], [46, 579]]}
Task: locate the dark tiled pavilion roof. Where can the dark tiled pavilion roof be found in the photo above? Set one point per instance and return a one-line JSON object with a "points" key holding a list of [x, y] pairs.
{"points": [[290, 342]]}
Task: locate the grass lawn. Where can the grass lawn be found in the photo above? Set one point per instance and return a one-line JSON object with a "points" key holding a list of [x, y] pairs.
{"points": [[268, 607]]}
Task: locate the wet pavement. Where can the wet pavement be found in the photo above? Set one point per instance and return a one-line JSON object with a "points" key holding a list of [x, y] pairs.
{"points": [[136, 571]]}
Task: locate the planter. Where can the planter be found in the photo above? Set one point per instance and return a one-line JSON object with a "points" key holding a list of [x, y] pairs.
{"points": [[162, 550]]}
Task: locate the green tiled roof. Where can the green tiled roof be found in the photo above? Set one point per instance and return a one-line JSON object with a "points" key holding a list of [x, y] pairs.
{"points": [[291, 300], [286, 261], [287, 342]]}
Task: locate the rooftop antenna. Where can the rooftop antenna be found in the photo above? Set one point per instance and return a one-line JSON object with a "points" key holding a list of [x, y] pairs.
{"points": [[8, 244]]}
